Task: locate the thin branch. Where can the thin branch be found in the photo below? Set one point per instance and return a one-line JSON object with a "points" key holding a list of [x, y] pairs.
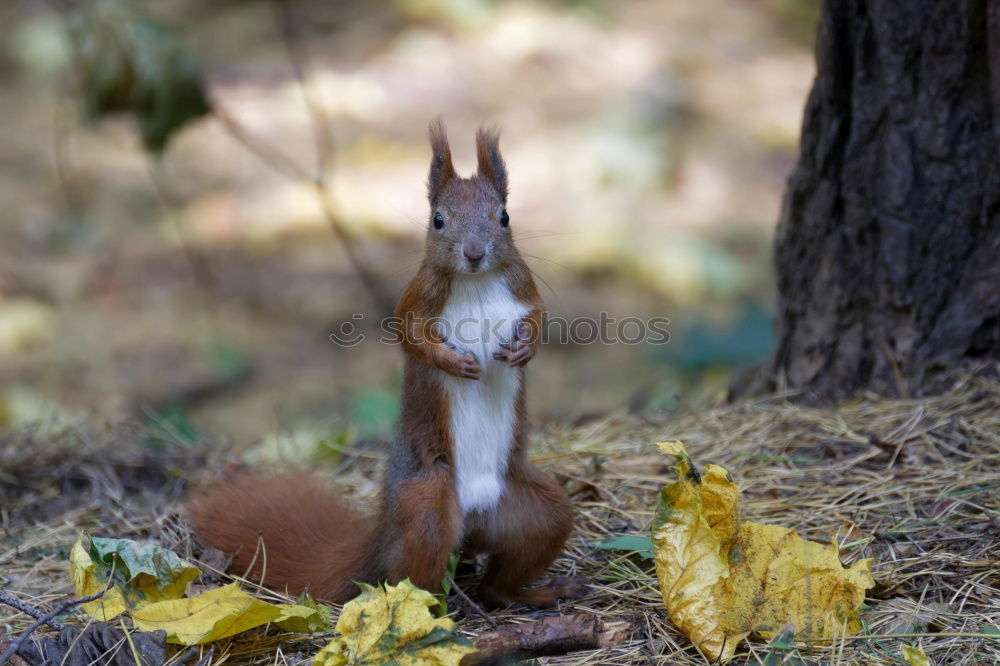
{"points": [[321, 124], [295, 46], [59, 608], [551, 635], [266, 153], [10, 600], [194, 257], [283, 165], [479, 611]]}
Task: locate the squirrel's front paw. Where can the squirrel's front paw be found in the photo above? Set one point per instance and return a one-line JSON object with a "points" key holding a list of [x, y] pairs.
{"points": [[518, 351], [460, 363]]}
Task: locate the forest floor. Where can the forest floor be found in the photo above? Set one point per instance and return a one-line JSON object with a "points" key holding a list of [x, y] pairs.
{"points": [[913, 484]]}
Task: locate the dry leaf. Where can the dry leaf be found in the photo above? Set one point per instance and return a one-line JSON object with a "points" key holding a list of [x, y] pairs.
{"points": [[722, 580], [144, 573], [915, 656], [392, 624], [218, 613], [150, 582]]}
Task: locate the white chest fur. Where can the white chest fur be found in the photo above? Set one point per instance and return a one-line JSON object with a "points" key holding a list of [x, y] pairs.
{"points": [[480, 314]]}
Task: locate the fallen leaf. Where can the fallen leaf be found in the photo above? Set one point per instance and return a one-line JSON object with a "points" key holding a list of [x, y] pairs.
{"points": [[143, 574], [149, 584], [631, 543], [915, 656], [304, 617], [393, 624], [218, 613], [722, 580]]}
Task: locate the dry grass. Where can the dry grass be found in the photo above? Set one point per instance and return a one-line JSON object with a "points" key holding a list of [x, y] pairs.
{"points": [[913, 484]]}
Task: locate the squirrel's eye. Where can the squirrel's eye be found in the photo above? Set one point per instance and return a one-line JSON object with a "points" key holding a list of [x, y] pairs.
{"points": [[438, 220], [504, 218]]}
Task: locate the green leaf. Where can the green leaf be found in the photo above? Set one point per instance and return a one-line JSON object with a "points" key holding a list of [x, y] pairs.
{"points": [[449, 575], [164, 566], [142, 573], [781, 651], [227, 359], [305, 616], [632, 543], [128, 62]]}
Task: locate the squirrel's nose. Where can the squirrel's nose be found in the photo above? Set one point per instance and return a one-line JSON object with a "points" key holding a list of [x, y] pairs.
{"points": [[473, 250]]}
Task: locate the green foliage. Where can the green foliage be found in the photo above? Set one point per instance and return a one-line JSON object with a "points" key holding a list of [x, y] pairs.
{"points": [[701, 344], [375, 412], [169, 427], [134, 558], [227, 359], [630, 543], [442, 608], [129, 63], [782, 650]]}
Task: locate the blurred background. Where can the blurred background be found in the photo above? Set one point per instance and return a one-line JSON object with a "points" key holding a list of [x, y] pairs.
{"points": [[188, 276]]}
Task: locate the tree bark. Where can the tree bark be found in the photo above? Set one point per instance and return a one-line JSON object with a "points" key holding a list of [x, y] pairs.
{"points": [[888, 247]]}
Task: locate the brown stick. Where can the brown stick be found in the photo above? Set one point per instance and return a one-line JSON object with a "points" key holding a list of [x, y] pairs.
{"points": [[296, 48], [554, 634], [26, 608], [61, 607], [472, 604]]}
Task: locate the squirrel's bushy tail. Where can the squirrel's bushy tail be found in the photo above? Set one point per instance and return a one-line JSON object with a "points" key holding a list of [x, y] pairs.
{"points": [[288, 532]]}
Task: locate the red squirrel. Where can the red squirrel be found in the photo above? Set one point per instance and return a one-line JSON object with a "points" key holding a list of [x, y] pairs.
{"points": [[458, 474]]}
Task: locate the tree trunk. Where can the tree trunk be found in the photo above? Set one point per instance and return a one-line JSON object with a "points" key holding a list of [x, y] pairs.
{"points": [[888, 248]]}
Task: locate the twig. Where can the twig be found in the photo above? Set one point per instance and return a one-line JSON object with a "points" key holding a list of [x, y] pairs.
{"points": [[61, 607], [479, 611], [266, 153], [281, 163], [294, 45], [194, 257], [195, 393], [554, 634], [12, 601], [192, 653]]}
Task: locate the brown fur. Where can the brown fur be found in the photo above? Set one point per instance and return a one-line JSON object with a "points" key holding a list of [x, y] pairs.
{"points": [[289, 532], [313, 538]]}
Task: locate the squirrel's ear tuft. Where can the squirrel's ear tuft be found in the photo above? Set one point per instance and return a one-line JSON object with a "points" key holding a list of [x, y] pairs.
{"points": [[491, 165], [441, 168]]}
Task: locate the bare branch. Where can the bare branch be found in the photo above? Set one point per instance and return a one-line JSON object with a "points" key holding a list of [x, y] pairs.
{"points": [[295, 45], [472, 604], [12, 601], [59, 608], [297, 55], [553, 634]]}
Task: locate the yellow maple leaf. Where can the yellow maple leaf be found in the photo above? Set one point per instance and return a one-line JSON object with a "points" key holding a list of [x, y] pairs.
{"points": [[722, 580], [215, 614], [915, 656], [149, 584], [156, 574], [392, 624]]}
